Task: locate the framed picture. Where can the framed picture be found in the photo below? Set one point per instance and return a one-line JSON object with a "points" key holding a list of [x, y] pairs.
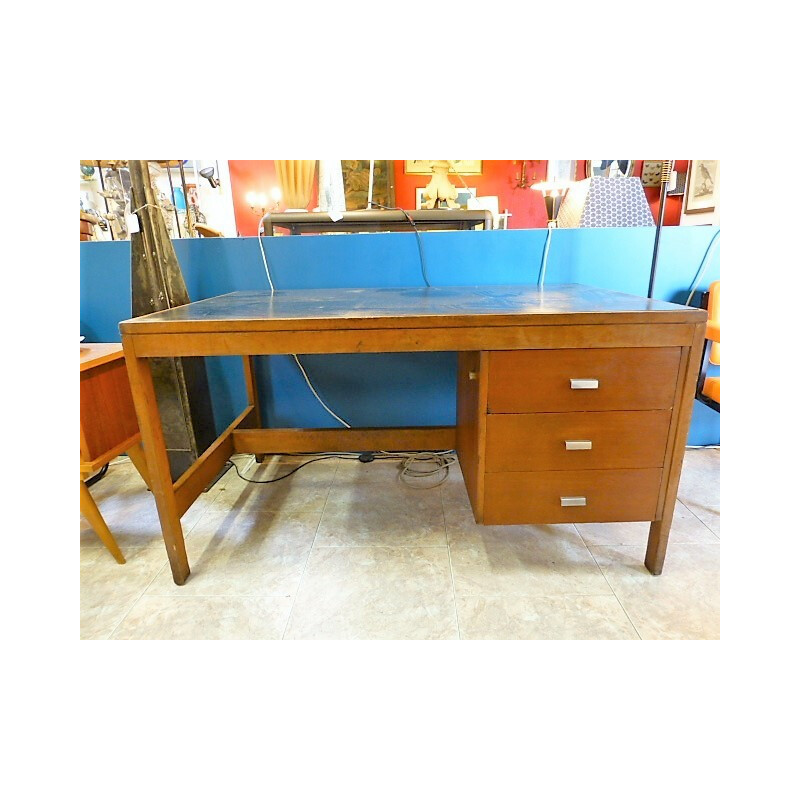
{"points": [[651, 173], [356, 183], [610, 168], [462, 167], [464, 194], [701, 187]]}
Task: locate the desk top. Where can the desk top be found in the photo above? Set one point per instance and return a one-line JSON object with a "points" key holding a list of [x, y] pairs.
{"points": [[410, 307], [93, 355]]}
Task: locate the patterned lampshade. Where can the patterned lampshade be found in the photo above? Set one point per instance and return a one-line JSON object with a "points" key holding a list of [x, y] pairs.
{"points": [[605, 203]]}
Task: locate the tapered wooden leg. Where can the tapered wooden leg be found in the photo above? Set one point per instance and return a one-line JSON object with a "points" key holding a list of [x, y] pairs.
{"points": [[144, 398], [92, 513], [252, 394], [676, 447], [137, 456]]}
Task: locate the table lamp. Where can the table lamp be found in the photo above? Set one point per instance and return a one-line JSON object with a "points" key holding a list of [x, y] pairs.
{"points": [[605, 203], [554, 192]]}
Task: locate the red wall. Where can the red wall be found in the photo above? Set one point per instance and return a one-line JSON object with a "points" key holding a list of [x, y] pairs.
{"points": [[498, 178]]}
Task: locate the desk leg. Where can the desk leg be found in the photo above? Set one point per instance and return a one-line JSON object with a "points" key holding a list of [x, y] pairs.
{"points": [[155, 449], [687, 379], [249, 365]]}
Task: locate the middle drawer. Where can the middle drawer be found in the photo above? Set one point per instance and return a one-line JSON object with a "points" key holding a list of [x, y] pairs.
{"points": [[576, 440]]}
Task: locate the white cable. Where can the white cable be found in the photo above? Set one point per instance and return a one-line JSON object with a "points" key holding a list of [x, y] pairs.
{"points": [[263, 254], [442, 459], [294, 356], [314, 392], [545, 252]]}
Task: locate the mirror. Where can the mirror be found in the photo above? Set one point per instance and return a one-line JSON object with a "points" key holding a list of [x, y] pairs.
{"points": [[610, 168]]}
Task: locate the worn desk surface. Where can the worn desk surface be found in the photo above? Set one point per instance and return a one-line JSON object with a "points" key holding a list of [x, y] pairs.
{"points": [[408, 308]]}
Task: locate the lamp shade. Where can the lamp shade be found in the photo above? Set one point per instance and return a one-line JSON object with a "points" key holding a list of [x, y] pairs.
{"points": [[605, 203]]}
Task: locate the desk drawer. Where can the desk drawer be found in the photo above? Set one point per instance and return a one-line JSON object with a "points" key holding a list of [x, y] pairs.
{"points": [[578, 440], [603, 379], [618, 495]]}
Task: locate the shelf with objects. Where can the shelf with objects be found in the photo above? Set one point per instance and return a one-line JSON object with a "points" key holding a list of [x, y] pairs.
{"points": [[186, 191]]}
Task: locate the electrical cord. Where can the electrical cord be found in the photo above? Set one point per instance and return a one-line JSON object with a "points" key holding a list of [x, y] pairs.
{"points": [[409, 468], [95, 478], [263, 254], [545, 253], [702, 269], [294, 355], [275, 480], [442, 460], [314, 392], [416, 231]]}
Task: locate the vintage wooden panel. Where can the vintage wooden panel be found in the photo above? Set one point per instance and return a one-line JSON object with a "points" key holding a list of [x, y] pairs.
{"points": [[107, 414]]}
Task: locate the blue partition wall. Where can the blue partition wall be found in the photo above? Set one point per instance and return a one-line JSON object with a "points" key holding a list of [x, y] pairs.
{"points": [[392, 389]]}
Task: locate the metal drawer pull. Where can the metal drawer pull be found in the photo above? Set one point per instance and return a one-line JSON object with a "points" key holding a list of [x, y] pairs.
{"points": [[584, 444], [584, 383], [573, 501]]}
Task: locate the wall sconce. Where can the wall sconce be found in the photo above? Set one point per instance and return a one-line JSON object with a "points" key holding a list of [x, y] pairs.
{"points": [[259, 203], [208, 174], [554, 192], [522, 181]]}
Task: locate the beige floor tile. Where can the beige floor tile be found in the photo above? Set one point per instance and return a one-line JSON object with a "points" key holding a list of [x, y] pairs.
{"points": [[186, 617], [352, 473], [375, 593], [235, 553], [699, 488], [385, 514], [109, 590], [563, 617], [686, 527], [682, 603], [129, 510], [306, 490], [525, 560]]}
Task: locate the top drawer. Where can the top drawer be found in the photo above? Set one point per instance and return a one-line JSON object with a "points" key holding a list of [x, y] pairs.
{"points": [[603, 379]]}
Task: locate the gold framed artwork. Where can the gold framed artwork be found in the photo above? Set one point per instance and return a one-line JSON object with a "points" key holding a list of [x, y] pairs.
{"points": [[702, 187], [356, 183], [461, 167]]}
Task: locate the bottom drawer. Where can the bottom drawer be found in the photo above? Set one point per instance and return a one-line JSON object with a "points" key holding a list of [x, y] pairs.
{"points": [[594, 495]]}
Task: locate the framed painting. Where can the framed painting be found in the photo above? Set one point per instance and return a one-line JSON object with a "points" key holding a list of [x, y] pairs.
{"points": [[461, 167], [464, 195], [356, 183], [702, 186]]}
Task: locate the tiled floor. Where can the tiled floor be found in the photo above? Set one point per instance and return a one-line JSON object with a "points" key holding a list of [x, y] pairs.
{"points": [[343, 550]]}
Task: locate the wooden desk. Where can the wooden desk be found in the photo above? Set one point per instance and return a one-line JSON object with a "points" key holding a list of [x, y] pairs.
{"points": [[573, 402], [108, 425]]}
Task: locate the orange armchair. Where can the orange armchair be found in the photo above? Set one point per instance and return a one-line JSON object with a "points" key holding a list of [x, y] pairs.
{"points": [[708, 388]]}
